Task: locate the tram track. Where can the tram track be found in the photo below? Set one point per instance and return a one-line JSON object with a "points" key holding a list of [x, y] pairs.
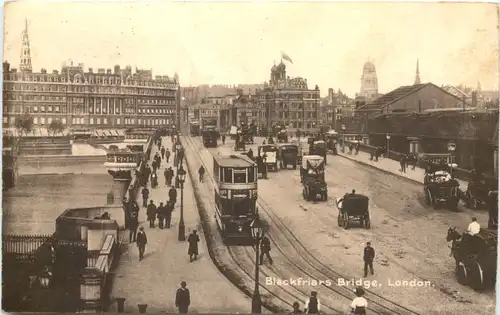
{"points": [[282, 237], [245, 266]]}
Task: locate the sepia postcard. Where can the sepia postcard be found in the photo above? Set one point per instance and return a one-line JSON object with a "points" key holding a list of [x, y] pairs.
{"points": [[250, 157]]}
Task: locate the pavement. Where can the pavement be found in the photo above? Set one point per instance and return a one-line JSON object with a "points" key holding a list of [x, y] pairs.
{"points": [[155, 279], [392, 166]]}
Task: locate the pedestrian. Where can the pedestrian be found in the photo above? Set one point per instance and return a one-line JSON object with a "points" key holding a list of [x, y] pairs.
{"points": [[172, 195], [166, 173], [169, 208], [474, 227], [160, 213], [193, 240], [151, 213], [183, 298], [167, 154], [162, 153], [312, 304], [133, 225], [145, 196], [402, 162], [265, 248], [170, 176], [377, 153], [359, 303], [223, 138], [201, 172], [142, 240], [126, 209], [368, 256], [296, 308], [357, 148]]}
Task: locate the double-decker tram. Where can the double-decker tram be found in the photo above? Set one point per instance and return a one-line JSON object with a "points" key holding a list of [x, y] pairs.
{"points": [[235, 195]]}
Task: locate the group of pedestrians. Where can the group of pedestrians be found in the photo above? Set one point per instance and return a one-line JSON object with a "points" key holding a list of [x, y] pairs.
{"points": [[407, 159], [312, 304]]}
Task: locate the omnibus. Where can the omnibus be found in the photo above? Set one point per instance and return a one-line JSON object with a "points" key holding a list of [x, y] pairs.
{"points": [[235, 195]]}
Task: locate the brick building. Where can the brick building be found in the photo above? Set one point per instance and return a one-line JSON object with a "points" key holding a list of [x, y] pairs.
{"points": [[79, 99], [334, 108], [288, 101]]}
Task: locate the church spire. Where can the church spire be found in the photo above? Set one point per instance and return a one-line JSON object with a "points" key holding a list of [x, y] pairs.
{"points": [[417, 75], [25, 64]]}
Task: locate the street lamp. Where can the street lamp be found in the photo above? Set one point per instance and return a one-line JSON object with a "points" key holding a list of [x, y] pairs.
{"points": [[181, 177], [257, 232], [388, 137], [451, 148], [343, 127]]}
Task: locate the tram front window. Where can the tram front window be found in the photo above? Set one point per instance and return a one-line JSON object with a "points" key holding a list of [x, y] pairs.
{"points": [[240, 178]]}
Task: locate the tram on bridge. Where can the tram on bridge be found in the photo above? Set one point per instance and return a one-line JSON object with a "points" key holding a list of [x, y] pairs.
{"points": [[235, 195]]}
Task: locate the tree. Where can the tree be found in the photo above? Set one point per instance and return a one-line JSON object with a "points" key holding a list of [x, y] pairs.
{"points": [[55, 126], [24, 124]]}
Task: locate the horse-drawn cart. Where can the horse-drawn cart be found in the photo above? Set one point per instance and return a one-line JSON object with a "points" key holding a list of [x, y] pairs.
{"points": [[353, 207]]}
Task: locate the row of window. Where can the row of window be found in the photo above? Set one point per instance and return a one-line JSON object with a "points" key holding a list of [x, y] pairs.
{"points": [[92, 121], [87, 89], [89, 79]]}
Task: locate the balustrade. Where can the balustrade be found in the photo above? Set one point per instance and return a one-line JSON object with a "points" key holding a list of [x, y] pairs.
{"points": [[123, 157]]}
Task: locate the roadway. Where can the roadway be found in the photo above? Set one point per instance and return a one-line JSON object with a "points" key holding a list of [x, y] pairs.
{"points": [[408, 236]]}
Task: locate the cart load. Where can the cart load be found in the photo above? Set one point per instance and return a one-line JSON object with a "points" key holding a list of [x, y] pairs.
{"points": [[288, 155], [353, 207], [271, 155], [312, 177], [440, 188]]}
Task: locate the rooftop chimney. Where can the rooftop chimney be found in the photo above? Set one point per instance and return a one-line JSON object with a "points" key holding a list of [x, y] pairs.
{"points": [[43, 71], [101, 71], [108, 71], [117, 69], [91, 70], [55, 72]]}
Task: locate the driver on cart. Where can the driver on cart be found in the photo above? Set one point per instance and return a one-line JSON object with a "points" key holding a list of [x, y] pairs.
{"points": [[250, 153]]}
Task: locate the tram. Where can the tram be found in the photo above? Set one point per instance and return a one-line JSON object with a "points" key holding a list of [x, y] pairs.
{"points": [[235, 195]]}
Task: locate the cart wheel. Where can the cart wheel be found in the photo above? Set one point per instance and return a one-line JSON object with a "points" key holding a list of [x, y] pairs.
{"points": [[304, 193], [476, 276], [346, 221], [461, 274], [367, 222], [339, 220]]}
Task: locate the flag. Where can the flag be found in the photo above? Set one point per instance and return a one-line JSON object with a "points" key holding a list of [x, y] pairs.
{"points": [[286, 57]]}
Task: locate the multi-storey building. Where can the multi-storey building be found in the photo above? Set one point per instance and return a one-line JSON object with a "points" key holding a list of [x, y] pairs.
{"points": [[102, 99], [214, 108], [288, 102], [335, 107]]}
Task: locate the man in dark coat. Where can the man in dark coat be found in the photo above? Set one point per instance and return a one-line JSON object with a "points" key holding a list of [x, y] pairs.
{"points": [[170, 175], [172, 195], [169, 208], [193, 240], [223, 138], [162, 152], [133, 225], [151, 213], [312, 304], [160, 213], [265, 248], [126, 211], [134, 207], [166, 173], [183, 298], [145, 196], [368, 256], [142, 240], [402, 162], [167, 155], [201, 173]]}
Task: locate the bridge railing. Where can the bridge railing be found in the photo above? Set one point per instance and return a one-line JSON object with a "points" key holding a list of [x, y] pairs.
{"points": [[96, 281], [458, 172]]}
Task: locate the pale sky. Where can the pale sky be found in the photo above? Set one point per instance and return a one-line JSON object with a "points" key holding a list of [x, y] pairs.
{"points": [[237, 43]]}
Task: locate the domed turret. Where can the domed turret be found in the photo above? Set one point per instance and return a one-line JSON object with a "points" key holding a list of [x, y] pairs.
{"points": [[281, 66], [273, 68], [368, 67]]}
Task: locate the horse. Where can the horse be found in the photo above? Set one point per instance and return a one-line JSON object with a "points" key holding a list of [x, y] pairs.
{"points": [[454, 237]]}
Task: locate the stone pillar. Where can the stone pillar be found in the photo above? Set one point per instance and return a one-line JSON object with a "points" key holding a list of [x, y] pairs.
{"points": [[414, 143], [121, 182]]}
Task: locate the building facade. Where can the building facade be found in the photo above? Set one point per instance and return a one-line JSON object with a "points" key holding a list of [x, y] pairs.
{"points": [[334, 108], [288, 102], [414, 98], [79, 99]]}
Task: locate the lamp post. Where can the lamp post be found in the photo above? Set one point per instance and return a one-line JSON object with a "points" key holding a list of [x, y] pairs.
{"points": [[451, 148], [388, 137], [343, 127], [181, 177], [257, 232]]}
